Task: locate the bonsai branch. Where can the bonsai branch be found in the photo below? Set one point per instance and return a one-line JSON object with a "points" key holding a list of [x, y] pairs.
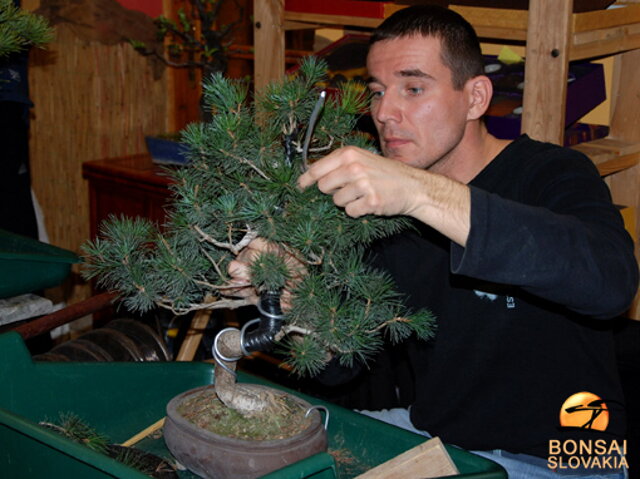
{"points": [[387, 323], [292, 329], [244, 161], [249, 236], [219, 304], [215, 264]]}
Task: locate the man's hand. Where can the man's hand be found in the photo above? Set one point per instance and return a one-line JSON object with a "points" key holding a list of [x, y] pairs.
{"points": [[240, 271], [365, 183]]}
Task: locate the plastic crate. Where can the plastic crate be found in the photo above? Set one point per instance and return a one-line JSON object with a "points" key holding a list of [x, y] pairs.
{"points": [[121, 399], [28, 265]]}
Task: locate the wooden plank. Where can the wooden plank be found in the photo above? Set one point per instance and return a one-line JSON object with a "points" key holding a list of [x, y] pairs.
{"points": [[499, 33], [147, 431], [292, 25], [596, 155], [608, 41], [338, 20], [495, 23], [547, 64], [617, 164], [494, 17], [599, 19], [614, 145], [268, 32], [610, 155], [427, 460]]}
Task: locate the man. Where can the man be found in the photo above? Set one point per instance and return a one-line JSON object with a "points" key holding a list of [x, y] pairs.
{"points": [[517, 250]]}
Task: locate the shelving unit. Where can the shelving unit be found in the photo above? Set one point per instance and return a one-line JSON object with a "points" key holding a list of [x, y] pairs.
{"points": [[553, 36]]}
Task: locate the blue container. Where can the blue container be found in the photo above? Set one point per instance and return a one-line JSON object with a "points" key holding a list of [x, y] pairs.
{"points": [[166, 152]]}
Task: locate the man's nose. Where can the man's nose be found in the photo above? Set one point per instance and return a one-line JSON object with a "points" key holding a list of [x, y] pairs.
{"points": [[387, 109]]}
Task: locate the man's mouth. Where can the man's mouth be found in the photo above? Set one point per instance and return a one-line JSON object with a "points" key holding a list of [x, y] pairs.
{"points": [[393, 143]]}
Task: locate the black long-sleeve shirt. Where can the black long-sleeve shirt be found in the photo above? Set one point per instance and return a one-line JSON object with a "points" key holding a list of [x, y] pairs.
{"points": [[520, 308]]}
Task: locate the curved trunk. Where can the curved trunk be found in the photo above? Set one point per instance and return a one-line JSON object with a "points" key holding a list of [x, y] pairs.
{"points": [[242, 398]]}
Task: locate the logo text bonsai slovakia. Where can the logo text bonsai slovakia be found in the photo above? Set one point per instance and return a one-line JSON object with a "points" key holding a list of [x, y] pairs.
{"points": [[585, 410]]}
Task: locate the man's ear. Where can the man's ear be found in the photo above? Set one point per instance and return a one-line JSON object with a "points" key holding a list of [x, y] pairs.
{"points": [[480, 91]]}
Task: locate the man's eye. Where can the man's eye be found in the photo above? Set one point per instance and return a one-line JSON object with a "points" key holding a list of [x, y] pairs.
{"points": [[377, 94], [415, 90]]}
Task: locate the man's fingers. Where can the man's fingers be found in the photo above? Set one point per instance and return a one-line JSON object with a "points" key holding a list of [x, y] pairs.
{"points": [[322, 168], [239, 271]]}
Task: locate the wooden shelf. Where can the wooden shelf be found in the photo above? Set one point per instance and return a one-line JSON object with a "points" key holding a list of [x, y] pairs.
{"points": [[593, 34], [610, 155]]}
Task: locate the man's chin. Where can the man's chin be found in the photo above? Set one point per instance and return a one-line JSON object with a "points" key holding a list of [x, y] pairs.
{"points": [[396, 156]]}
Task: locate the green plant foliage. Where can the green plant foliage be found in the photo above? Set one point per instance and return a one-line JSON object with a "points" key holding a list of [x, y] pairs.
{"points": [[73, 427], [20, 29], [197, 39], [241, 184]]}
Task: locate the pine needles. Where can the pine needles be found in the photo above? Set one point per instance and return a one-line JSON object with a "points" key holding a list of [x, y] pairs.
{"points": [[20, 29], [240, 185]]}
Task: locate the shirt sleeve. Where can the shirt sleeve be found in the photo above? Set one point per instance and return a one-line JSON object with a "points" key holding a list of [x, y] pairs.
{"points": [[566, 244]]}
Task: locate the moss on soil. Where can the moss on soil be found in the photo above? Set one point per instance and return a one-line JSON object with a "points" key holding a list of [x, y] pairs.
{"points": [[206, 411]]}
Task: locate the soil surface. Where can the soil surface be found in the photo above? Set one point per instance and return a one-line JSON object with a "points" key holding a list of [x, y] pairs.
{"points": [[206, 411]]}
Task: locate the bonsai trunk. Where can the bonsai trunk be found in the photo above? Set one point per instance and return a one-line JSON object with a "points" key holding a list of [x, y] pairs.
{"points": [[243, 398]]}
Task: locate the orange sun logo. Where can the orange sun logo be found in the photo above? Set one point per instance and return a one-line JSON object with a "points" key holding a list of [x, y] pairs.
{"points": [[584, 410]]}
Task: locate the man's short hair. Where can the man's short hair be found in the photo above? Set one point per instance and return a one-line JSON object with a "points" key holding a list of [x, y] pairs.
{"points": [[461, 51]]}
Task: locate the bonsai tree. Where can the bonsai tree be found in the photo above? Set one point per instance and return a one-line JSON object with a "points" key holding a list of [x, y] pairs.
{"points": [[197, 40], [20, 29], [241, 185]]}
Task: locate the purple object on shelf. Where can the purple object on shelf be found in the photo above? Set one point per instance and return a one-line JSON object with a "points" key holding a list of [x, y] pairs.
{"points": [[585, 91]]}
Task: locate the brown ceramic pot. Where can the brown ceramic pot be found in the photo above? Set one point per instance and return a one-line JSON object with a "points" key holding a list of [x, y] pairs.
{"points": [[212, 456]]}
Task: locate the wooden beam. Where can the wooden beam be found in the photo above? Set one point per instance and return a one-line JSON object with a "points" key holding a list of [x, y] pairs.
{"points": [[599, 19], [545, 88], [607, 41], [268, 33], [625, 118], [75, 311], [336, 20], [500, 18], [192, 340]]}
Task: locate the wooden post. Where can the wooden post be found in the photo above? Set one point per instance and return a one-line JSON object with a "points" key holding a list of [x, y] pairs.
{"points": [[194, 336], [624, 126], [547, 65], [268, 34]]}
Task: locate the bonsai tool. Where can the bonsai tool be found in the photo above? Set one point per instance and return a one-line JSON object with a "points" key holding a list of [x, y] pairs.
{"points": [[313, 119]]}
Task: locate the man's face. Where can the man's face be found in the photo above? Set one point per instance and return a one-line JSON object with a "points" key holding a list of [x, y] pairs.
{"points": [[419, 116]]}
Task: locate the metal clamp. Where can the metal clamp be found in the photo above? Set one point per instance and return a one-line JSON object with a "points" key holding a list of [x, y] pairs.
{"points": [[326, 417], [219, 357]]}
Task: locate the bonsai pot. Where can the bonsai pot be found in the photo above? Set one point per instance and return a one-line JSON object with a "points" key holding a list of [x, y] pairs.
{"points": [[213, 456]]}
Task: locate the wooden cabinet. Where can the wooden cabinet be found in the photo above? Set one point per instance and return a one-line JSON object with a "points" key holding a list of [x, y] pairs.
{"points": [[553, 37], [130, 186]]}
